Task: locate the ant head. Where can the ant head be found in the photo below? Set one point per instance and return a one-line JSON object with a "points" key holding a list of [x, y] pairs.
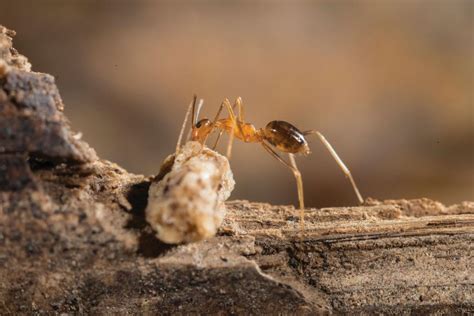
{"points": [[203, 123], [201, 129]]}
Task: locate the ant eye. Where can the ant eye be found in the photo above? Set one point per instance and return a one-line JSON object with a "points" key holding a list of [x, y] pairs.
{"points": [[202, 122]]}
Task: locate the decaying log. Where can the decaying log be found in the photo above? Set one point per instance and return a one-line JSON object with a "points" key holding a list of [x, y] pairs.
{"points": [[74, 239]]}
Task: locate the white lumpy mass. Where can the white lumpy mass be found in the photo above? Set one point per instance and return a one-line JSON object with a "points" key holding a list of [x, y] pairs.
{"points": [[187, 205]]}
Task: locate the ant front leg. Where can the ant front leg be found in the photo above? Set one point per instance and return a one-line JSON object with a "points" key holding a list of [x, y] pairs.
{"points": [[214, 124], [299, 180], [217, 139]]}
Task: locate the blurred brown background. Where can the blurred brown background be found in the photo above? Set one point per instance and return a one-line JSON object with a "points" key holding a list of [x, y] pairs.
{"points": [[388, 82]]}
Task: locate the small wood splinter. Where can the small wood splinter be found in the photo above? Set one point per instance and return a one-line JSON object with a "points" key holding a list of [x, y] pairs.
{"points": [[276, 135]]}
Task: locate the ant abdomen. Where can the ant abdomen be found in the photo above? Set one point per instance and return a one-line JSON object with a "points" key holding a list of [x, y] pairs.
{"points": [[286, 137]]}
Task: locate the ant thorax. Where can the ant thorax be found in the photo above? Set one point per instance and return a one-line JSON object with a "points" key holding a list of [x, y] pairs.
{"points": [[244, 131]]}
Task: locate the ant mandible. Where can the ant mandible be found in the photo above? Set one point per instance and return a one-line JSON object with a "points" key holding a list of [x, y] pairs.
{"points": [[280, 135]]}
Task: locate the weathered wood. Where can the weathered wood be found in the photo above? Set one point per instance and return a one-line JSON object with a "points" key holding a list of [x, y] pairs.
{"points": [[385, 257], [74, 239]]}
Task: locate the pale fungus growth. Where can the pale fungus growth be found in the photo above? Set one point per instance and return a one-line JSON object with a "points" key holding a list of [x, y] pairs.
{"points": [[187, 204]]}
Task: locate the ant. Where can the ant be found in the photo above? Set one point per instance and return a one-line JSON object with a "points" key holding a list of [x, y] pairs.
{"points": [[276, 135]]}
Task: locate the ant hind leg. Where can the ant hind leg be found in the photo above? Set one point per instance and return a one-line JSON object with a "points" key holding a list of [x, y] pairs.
{"points": [[338, 161]]}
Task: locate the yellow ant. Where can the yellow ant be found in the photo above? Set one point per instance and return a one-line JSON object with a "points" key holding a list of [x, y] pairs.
{"points": [[280, 135]]}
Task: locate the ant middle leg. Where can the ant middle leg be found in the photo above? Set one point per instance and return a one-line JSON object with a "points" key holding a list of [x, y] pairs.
{"points": [[240, 115], [240, 108], [236, 125], [299, 181]]}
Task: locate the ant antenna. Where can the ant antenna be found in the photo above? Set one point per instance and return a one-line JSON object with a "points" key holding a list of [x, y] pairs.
{"points": [[199, 106], [195, 120], [194, 108], [180, 138]]}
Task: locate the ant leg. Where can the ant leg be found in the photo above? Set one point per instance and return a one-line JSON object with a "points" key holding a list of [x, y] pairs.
{"points": [[296, 173], [229, 146], [233, 118], [299, 181], [339, 162], [218, 112], [181, 133], [214, 123], [236, 124], [240, 108], [217, 139]]}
